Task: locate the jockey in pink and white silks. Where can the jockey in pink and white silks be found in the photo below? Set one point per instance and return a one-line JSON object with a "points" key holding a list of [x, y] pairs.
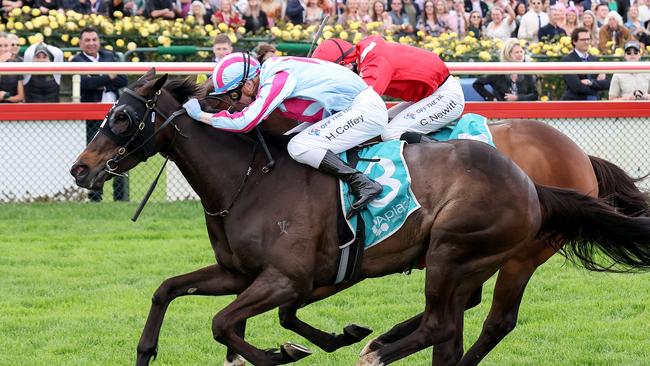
{"points": [[343, 110]]}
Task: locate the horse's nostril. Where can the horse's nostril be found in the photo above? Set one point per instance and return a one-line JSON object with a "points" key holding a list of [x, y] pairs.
{"points": [[79, 171]]}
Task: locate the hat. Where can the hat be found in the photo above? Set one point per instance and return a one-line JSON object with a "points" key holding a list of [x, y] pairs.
{"points": [[41, 48], [632, 44]]}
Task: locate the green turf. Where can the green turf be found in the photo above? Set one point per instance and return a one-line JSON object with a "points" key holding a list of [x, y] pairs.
{"points": [[76, 282]]}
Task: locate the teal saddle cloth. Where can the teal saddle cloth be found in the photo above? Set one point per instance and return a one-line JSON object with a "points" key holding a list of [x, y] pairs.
{"points": [[384, 163]]}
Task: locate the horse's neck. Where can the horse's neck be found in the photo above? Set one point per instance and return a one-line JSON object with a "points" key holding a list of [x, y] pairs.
{"points": [[214, 164]]}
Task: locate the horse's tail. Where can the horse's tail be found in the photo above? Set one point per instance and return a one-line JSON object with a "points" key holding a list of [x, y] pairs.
{"points": [[619, 189], [581, 227]]}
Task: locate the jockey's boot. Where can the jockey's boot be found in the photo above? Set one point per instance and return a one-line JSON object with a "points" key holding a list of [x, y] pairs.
{"points": [[363, 188], [415, 138]]}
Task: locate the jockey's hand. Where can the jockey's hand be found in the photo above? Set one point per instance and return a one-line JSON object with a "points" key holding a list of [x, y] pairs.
{"points": [[193, 108]]}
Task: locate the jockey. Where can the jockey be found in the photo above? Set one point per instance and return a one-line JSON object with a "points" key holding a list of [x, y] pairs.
{"points": [[342, 109], [432, 98]]}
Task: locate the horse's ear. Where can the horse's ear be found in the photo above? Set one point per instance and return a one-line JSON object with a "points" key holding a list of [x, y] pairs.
{"points": [[160, 83], [149, 75]]}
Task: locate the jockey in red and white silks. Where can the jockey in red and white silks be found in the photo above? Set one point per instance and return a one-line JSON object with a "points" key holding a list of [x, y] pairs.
{"points": [[432, 98], [343, 109]]}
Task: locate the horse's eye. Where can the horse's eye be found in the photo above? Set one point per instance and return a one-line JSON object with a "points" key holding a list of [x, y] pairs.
{"points": [[120, 123]]}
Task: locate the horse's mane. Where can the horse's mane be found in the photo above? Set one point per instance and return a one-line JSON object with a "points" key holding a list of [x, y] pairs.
{"points": [[182, 89]]}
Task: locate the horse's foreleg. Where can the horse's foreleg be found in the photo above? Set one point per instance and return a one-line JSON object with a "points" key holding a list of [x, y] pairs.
{"points": [[269, 290], [213, 280], [502, 319], [328, 342]]}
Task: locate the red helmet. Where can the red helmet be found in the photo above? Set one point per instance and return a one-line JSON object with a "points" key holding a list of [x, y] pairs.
{"points": [[336, 50]]}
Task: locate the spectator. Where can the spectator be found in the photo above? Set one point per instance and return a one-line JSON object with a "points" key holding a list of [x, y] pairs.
{"points": [[442, 13], [520, 10], [499, 27], [613, 34], [295, 11], [199, 12], [9, 5], [589, 22], [622, 7], [221, 47], [570, 20], [79, 6], [272, 9], [15, 47], [11, 86], [477, 5], [532, 21], [313, 12], [364, 11], [264, 51], [134, 7], [511, 87], [630, 86], [100, 88], [428, 22], [255, 18], [399, 19], [475, 26], [412, 11], [635, 26], [582, 87], [42, 88], [46, 5], [226, 14], [552, 31], [457, 18], [601, 14], [163, 9], [644, 11], [379, 14], [351, 13], [183, 8]]}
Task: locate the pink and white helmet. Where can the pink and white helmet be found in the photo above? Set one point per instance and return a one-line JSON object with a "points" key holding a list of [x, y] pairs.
{"points": [[231, 71]]}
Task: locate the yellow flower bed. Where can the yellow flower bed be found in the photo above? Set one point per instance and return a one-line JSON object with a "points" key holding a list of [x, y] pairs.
{"points": [[128, 33]]}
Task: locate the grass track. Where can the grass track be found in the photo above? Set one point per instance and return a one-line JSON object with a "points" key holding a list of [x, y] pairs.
{"points": [[76, 282]]}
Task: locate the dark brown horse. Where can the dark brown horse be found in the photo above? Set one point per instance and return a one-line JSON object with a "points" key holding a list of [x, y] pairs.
{"points": [[269, 267], [549, 158]]}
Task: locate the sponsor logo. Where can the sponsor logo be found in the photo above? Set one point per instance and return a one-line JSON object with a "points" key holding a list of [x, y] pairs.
{"points": [[410, 115], [383, 223]]}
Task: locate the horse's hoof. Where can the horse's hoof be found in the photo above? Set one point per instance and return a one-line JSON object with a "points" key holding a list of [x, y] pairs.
{"points": [[371, 359], [295, 351], [371, 346], [237, 361], [357, 332]]}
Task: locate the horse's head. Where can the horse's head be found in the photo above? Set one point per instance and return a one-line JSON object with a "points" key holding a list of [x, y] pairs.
{"points": [[134, 129]]}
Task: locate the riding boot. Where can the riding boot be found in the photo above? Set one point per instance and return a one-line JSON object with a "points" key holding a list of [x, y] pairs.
{"points": [[362, 187], [415, 138]]}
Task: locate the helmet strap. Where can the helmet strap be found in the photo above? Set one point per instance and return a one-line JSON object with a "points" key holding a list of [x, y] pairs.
{"points": [[344, 54]]}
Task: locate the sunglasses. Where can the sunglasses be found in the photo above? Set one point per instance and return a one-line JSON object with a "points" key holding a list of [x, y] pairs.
{"points": [[632, 52]]}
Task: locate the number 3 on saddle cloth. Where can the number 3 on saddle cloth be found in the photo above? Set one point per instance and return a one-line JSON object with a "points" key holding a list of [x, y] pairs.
{"points": [[384, 163]]}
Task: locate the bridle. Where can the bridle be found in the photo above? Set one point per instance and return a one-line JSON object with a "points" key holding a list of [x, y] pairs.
{"points": [[140, 131]]}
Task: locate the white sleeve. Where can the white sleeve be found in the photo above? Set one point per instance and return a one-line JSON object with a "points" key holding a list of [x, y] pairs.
{"points": [[270, 95]]}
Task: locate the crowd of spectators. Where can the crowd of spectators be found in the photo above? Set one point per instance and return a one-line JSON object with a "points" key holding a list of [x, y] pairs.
{"points": [[606, 25], [611, 22]]}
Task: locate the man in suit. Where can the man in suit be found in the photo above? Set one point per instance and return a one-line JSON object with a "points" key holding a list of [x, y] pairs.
{"points": [[100, 89], [582, 87]]}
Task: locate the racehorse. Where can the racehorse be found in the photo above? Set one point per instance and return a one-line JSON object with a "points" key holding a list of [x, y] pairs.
{"points": [[548, 157], [269, 268]]}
